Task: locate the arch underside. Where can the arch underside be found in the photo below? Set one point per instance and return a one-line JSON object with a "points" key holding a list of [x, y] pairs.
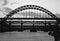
{"points": [[25, 7]]}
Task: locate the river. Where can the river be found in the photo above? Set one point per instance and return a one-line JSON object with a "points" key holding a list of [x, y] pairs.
{"points": [[26, 36]]}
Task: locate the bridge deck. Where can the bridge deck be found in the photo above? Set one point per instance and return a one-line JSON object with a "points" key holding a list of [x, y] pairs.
{"points": [[44, 23]]}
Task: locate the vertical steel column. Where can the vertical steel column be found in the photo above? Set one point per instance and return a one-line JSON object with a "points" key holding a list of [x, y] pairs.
{"points": [[57, 24], [21, 26], [33, 25], [45, 23]]}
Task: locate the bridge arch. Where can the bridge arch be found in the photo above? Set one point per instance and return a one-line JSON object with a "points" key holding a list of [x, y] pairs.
{"points": [[25, 7]]}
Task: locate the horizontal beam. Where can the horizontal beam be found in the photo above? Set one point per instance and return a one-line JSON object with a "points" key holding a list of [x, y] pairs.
{"points": [[34, 18]]}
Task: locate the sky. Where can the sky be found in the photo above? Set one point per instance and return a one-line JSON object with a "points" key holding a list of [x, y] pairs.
{"points": [[51, 5]]}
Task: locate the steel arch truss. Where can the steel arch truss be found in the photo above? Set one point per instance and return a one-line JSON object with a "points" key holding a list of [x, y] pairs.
{"points": [[25, 7]]}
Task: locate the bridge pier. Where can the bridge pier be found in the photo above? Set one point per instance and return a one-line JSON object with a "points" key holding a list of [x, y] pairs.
{"points": [[57, 32]]}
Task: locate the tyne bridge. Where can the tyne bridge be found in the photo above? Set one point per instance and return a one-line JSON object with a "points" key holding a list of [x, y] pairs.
{"points": [[31, 17]]}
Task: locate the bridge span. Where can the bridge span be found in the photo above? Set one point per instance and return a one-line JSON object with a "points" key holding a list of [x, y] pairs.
{"points": [[31, 17]]}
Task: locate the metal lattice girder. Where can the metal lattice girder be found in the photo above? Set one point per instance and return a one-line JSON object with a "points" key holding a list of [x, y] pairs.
{"points": [[25, 7]]}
